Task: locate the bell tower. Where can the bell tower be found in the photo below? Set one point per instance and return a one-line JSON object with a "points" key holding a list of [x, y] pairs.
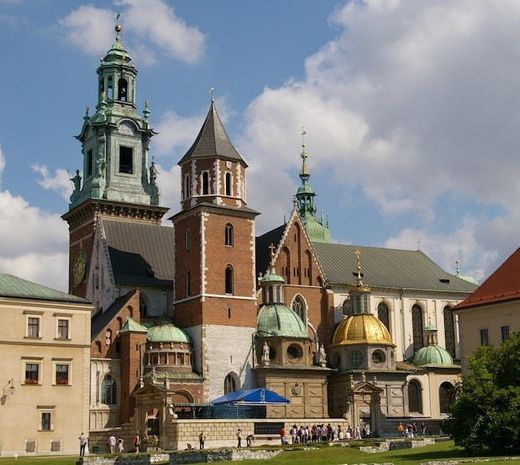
{"points": [[215, 288], [117, 179]]}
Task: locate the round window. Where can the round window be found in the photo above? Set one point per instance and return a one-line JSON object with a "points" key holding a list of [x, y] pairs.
{"points": [[294, 352], [356, 358], [378, 356]]}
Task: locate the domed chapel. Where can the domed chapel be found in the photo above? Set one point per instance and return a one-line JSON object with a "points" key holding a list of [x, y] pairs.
{"points": [[188, 312]]}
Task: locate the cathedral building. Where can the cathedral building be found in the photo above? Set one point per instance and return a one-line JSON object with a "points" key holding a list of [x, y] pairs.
{"points": [[186, 313]]}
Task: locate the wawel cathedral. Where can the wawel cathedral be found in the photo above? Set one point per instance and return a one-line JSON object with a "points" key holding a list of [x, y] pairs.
{"points": [[190, 310]]}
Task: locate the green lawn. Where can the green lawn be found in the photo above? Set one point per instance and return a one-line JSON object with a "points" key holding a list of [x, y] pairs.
{"points": [[334, 455]]}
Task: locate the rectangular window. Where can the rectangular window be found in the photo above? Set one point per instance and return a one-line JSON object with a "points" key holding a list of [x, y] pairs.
{"points": [[46, 421], [90, 163], [33, 326], [32, 373], [62, 373], [505, 332], [63, 329], [205, 183], [126, 160], [186, 191], [484, 337]]}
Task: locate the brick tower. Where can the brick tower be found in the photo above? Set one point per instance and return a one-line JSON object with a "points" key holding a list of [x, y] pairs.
{"points": [[117, 180], [215, 298]]}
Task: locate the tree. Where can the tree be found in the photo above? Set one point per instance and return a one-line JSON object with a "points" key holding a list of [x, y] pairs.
{"points": [[485, 415]]}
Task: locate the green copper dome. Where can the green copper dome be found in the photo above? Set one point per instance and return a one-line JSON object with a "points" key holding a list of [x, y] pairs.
{"points": [[432, 355], [316, 231], [272, 278], [167, 332], [279, 320]]}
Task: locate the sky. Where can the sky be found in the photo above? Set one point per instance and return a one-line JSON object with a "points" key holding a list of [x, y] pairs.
{"points": [[411, 111]]}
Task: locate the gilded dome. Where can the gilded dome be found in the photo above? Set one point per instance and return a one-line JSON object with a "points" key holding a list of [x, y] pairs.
{"points": [[167, 332], [362, 328], [432, 355], [279, 320]]}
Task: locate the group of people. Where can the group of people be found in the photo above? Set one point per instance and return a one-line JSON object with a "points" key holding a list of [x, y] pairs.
{"points": [[115, 445], [249, 439], [411, 430], [322, 432]]}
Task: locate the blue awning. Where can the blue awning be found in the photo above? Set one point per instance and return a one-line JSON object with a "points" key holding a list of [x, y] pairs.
{"points": [[258, 396]]}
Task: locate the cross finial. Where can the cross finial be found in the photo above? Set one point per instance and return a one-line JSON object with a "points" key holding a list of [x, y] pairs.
{"points": [[457, 267], [304, 153], [271, 250], [118, 28], [212, 93]]}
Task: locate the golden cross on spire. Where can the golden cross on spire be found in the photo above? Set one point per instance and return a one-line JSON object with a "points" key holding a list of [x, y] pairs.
{"points": [[358, 261], [272, 249], [304, 153], [118, 26]]}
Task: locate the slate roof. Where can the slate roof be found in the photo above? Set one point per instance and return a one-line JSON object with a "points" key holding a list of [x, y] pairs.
{"points": [[140, 254], [386, 268], [262, 243], [212, 140], [12, 286], [502, 285]]}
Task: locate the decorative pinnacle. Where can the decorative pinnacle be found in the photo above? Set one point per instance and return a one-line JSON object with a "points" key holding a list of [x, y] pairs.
{"points": [[304, 154], [271, 252], [457, 267], [358, 267], [146, 110], [118, 28]]}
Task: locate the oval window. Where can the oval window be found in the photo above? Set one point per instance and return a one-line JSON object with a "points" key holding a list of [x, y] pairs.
{"points": [[378, 356], [294, 352]]}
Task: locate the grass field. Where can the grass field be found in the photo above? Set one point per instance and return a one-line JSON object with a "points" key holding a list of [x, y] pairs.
{"points": [[321, 456]]}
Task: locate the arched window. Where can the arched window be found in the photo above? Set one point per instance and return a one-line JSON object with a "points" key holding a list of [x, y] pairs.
{"points": [[228, 235], [231, 383], [309, 267], [229, 280], [347, 307], [122, 89], [286, 268], [110, 88], [228, 184], [120, 322], [298, 307], [446, 394], [417, 327], [383, 314], [143, 305], [449, 330], [186, 186], [205, 183], [414, 397], [98, 347], [108, 391]]}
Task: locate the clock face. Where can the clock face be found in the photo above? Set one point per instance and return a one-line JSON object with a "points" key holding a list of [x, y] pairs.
{"points": [[79, 269]]}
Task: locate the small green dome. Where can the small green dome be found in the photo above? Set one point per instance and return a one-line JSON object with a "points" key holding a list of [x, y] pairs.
{"points": [[469, 279], [279, 320], [432, 355], [316, 231], [272, 278], [305, 189], [167, 332]]}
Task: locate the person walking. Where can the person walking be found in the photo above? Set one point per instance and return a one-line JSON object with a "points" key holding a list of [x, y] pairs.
{"points": [[202, 439], [82, 444], [239, 438], [120, 446]]}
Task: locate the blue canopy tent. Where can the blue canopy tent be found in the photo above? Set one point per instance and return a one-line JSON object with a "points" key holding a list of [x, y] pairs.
{"points": [[258, 396]]}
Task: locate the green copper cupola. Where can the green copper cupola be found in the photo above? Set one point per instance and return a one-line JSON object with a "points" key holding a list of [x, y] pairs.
{"points": [[115, 139], [316, 228]]}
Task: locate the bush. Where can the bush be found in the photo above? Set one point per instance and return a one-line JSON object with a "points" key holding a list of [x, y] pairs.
{"points": [[485, 416]]}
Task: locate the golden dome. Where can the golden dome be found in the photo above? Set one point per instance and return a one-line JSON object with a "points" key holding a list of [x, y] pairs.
{"points": [[361, 329]]}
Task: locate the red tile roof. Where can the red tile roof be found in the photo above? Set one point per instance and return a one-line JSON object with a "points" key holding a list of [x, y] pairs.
{"points": [[502, 285]]}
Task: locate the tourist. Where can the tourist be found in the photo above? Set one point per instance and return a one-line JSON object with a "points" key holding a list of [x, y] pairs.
{"points": [[137, 443], [423, 428], [82, 444], [202, 439], [239, 437], [112, 441], [120, 447], [367, 430], [249, 440], [358, 432], [282, 436], [400, 429]]}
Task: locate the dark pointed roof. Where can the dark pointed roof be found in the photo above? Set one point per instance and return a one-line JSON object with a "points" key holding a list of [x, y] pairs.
{"points": [[501, 286], [212, 140]]}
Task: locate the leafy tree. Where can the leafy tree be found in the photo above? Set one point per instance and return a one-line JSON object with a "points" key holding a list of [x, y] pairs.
{"points": [[485, 415]]}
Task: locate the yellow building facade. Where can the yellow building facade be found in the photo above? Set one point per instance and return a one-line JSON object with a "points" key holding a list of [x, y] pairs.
{"points": [[45, 354]]}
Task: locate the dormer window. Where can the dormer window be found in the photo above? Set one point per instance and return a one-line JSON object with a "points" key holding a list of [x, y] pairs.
{"points": [[126, 160]]}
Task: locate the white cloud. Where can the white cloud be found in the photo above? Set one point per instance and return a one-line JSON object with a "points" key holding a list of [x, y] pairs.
{"points": [[33, 243], [89, 28], [149, 26], [413, 102], [58, 182], [175, 133]]}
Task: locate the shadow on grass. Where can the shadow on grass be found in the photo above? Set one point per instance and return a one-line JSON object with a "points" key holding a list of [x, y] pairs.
{"points": [[428, 456]]}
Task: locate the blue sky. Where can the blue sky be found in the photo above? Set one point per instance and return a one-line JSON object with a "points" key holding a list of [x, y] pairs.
{"points": [[411, 111]]}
